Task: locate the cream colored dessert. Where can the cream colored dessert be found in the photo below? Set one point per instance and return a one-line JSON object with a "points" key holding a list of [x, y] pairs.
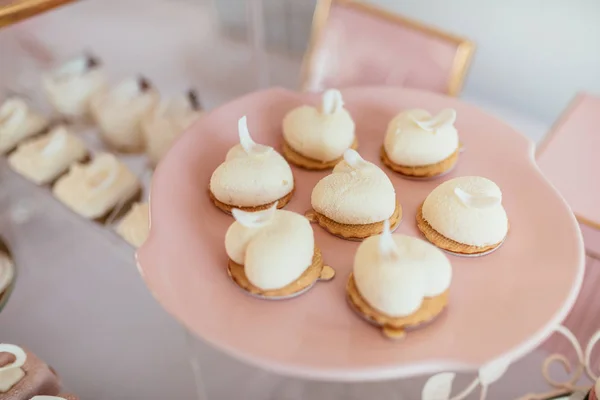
{"points": [[7, 272], [70, 87], [465, 215], [419, 144], [253, 176], [120, 110], [355, 199], [272, 253], [399, 281], [166, 122], [95, 189], [44, 159], [23, 375], [320, 134], [59, 397], [18, 122], [135, 226]]}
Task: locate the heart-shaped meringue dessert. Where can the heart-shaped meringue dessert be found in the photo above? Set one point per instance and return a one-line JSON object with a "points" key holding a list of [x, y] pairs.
{"points": [[355, 200], [418, 144], [464, 216], [167, 122], [70, 87], [120, 110], [316, 138], [398, 281], [18, 122], [253, 176], [272, 253]]}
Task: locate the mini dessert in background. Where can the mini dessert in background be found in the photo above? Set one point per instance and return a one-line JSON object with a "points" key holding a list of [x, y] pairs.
{"points": [[135, 226], [120, 110], [317, 138], [464, 216], [355, 200], [272, 253], [7, 275], [253, 177], [18, 122], [101, 189], [418, 144], [44, 159], [70, 87], [167, 121], [23, 375], [61, 396], [398, 282]]}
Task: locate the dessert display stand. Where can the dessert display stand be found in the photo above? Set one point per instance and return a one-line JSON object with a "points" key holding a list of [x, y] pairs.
{"points": [[502, 307]]}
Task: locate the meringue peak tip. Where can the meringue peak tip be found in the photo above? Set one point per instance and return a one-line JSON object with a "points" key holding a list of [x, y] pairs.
{"points": [[352, 158], [387, 245], [254, 219], [444, 118], [332, 101], [479, 200]]}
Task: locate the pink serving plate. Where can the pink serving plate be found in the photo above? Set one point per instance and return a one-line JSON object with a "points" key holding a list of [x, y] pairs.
{"points": [[503, 304]]}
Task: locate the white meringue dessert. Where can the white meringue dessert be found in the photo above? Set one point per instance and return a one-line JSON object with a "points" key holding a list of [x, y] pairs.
{"points": [[18, 122], [419, 144], [42, 160], [253, 176], [103, 188], [398, 281], [135, 226], [464, 216], [70, 87], [272, 253], [355, 200], [316, 138], [167, 122], [119, 112]]}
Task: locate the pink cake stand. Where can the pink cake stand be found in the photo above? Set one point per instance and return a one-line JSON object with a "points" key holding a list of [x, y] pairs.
{"points": [[501, 306]]}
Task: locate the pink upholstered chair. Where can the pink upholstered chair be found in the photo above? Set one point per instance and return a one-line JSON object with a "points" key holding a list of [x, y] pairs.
{"points": [[353, 44], [569, 156]]}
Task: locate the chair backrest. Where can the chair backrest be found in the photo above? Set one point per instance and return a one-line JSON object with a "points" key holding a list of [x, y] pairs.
{"points": [[354, 44]]}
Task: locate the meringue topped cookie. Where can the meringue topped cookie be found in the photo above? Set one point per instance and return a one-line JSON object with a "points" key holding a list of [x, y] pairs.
{"points": [[464, 216], [70, 87], [253, 176], [418, 144], [100, 189], [120, 110], [44, 159], [7, 272], [135, 226], [167, 121], [398, 281], [59, 397], [18, 122], [316, 138], [23, 375], [272, 253], [355, 200]]}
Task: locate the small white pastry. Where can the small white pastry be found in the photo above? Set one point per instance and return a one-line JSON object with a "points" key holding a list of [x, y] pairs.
{"points": [[419, 144], [253, 175], [95, 189], [468, 211], [274, 246], [13, 373], [120, 110], [70, 87], [319, 136], [355, 200], [166, 122], [395, 273], [44, 159], [18, 122], [135, 226], [7, 272]]}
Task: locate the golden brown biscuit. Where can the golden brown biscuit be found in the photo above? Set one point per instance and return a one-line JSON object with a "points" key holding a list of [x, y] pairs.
{"points": [[299, 160], [422, 171], [226, 208], [394, 327]]}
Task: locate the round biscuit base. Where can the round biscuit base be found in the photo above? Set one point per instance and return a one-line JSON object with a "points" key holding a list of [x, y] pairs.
{"points": [[317, 271], [395, 327], [226, 208], [447, 244], [422, 171], [299, 160], [355, 232]]}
